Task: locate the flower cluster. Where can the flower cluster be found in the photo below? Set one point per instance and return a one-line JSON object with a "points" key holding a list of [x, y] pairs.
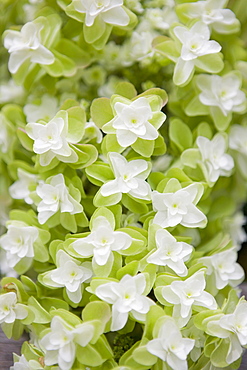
{"points": [[123, 153]]}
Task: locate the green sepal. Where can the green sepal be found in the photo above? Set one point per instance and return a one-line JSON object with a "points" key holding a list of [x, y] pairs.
{"points": [[25, 140], [41, 315], [101, 111], [134, 205], [180, 134], [126, 89]]}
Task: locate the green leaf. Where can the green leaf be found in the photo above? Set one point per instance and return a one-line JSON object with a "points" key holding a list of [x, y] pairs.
{"points": [[101, 111], [211, 63], [126, 89], [144, 147], [25, 140], [143, 357], [180, 134], [99, 173], [133, 205], [88, 356], [41, 315], [220, 120], [196, 108]]}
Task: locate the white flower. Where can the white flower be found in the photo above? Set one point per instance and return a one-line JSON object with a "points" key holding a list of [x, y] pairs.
{"points": [[10, 310], [129, 178], [234, 225], [101, 242], [184, 295], [18, 242], [139, 47], [5, 270], [161, 19], [195, 44], [70, 273], [224, 268], [238, 138], [222, 92], [211, 13], [216, 162], [234, 327], [23, 364], [55, 197], [51, 140], [26, 44], [9, 91], [20, 188], [170, 252], [170, 346], [126, 296], [179, 207], [132, 121], [107, 11], [46, 110], [60, 343]]}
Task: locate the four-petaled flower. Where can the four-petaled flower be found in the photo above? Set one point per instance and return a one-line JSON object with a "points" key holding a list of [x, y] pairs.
{"points": [[52, 139], [133, 120], [179, 207], [234, 327], [170, 253], [186, 294], [215, 161], [106, 11], [126, 296], [10, 310], [70, 273], [195, 44], [55, 197], [223, 268], [222, 92], [101, 242], [19, 241], [61, 342], [26, 44], [129, 178], [170, 346]]}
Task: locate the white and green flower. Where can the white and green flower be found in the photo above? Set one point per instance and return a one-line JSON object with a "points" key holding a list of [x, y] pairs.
{"points": [[10, 310]]}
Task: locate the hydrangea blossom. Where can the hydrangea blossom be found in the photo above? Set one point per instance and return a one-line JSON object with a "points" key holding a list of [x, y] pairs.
{"points": [[170, 253], [46, 110], [20, 189], [54, 196], [23, 364], [52, 139], [195, 44], [126, 296], [179, 207], [101, 242], [11, 91], [222, 93], [133, 120], [215, 161], [129, 178], [19, 241], [26, 44], [223, 268], [161, 19], [211, 13], [170, 346], [234, 327], [234, 225], [106, 11], [60, 343], [10, 310], [184, 295], [70, 273]]}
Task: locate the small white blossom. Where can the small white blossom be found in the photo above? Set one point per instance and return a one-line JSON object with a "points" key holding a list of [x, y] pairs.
{"points": [[101, 242], [55, 197], [20, 188], [46, 110], [234, 327], [129, 178], [139, 46], [107, 11], [170, 252], [132, 121], [216, 162], [23, 364], [170, 346], [222, 92], [126, 296], [211, 13], [60, 343], [26, 44], [238, 139], [9, 91], [234, 225], [195, 43], [71, 274], [18, 242], [179, 207], [184, 295], [10, 310], [224, 268], [161, 19], [51, 140], [5, 269]]}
